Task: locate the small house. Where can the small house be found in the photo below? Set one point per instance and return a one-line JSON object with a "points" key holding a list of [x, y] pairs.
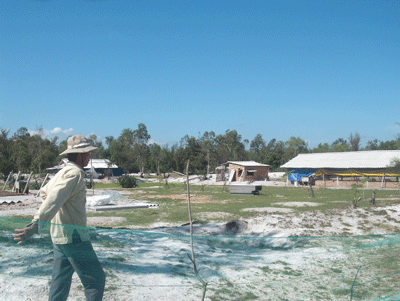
{"points": [[241, 171]]}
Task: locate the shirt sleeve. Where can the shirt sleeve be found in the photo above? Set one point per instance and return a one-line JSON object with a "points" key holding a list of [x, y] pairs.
{"points": [[56, 197]]}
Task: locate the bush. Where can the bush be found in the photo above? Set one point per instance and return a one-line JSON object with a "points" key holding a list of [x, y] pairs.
{"points": [[127, 181], [89, 184], [34, 185]]}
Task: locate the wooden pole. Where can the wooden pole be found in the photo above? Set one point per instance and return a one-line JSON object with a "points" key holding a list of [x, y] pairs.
{"points": [[44, 181], [27, 182], [188, 194], [159, 175], [8, 178], [204, 283]]}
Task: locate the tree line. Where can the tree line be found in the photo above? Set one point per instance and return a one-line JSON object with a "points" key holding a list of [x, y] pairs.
{"points": [[132, 151]]}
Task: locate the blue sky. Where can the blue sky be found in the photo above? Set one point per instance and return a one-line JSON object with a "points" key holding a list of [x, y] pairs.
{"points": [[318, 70]]}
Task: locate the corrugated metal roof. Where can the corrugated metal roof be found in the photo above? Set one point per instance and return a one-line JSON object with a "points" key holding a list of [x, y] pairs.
{"points": [[359, 159], [246, 163], [97, 163], [100, 163]]}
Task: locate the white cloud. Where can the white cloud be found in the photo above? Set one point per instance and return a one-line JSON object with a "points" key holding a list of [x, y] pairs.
{"points": [[152, 141], [49, 134], [67, 132], [394, 127], [56, 130]]}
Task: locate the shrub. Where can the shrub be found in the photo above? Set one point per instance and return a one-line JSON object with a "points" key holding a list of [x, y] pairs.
{"points": [[127, 181], [89, 184], [34, 185]]}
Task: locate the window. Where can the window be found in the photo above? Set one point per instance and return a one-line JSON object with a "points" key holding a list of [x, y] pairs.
{"points": [[251, 172]]}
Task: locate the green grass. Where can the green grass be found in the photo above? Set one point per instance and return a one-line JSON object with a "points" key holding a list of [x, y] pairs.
{"points": [[99, 185], [173, 206]]}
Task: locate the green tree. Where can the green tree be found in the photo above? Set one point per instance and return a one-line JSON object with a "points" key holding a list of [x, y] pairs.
{"points": [[160, 159], [207, 145], [192, 151], [141, 148], [398, 141], [62, 147], [339, 145], [229, 147], [294, 146], [155, 157], [6, 165], [20, 152], [372, 145], [107, 154], [273, 154], [388, 145], [43, 151], [322, 148], [99, 152], [395, 165], [121, 151], [257, 148], [273, 159], [354, 141], [177, 155]]}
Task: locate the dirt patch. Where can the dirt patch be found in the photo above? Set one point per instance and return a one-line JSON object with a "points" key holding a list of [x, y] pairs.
{"points": [[193, 198], [4, 193], [101, 221], [297, 204], [269, 210], [214, 215], [19, 205]]}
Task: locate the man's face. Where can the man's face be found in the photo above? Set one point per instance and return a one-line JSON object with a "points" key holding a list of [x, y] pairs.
{"points": [[85, 158]]}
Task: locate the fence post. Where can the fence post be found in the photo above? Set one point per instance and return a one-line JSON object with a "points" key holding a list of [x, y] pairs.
{"points": [[8, 178], [44, 181], [27, 182]]}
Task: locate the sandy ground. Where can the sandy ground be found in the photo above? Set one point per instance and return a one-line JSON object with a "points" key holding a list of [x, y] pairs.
{"points": [[274, 256]]}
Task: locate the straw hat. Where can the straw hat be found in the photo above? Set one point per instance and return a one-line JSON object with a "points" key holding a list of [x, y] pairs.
{"points": [[78, 144]]}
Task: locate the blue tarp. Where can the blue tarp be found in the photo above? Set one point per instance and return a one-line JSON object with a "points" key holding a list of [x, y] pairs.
{"points": [[300, 173]]}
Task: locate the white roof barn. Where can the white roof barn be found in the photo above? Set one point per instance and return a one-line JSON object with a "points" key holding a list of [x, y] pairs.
{"points": [[99, 165], [343, 164], [342, 160]]}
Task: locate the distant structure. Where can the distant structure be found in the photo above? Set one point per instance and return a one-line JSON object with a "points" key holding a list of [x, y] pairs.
{"points": [[342, 165], [104, 167], [99, 168], [241, 171]]}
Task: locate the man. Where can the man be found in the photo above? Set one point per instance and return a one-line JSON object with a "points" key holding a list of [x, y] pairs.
{"points": [[64, 205]]}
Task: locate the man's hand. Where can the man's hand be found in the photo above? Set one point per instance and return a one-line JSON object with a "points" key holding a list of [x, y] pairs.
{"points": [[23, 234]]}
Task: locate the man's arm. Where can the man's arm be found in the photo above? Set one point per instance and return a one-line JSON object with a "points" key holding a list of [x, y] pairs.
{"points": [[57, 196], [52, 203]]}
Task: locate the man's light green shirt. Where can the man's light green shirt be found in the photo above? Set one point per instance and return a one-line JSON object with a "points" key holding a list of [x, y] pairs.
{"points": [[64, 203]]}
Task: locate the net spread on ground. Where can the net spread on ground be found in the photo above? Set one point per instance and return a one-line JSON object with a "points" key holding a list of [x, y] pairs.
{"points": [[158, 265]]}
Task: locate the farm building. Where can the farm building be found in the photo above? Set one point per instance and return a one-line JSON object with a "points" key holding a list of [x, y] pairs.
{"points": [[342, 164], [104, 167], [101, 167], [240, 171]]}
